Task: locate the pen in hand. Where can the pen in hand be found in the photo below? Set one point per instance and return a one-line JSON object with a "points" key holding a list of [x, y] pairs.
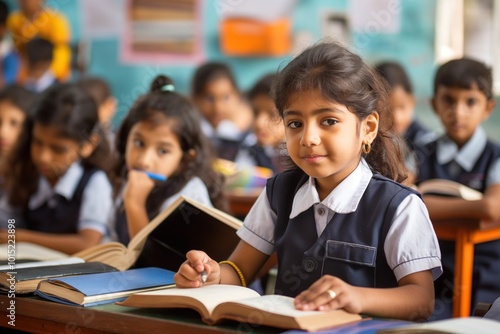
{"points": [[204, 276]]}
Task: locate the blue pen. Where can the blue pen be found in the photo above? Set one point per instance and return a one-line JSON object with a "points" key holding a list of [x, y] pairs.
{"points": [[156, 177], [153, 176]]}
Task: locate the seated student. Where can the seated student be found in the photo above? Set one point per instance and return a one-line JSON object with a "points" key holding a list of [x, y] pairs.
{"points": [[9, 60], [58, 182], [100, 91], [403, 106], [463, 99], [36, 20], [226, 116], [15, 101], [39, 75], [263, 149], [347, 234], [161, 135], [403, 103]]}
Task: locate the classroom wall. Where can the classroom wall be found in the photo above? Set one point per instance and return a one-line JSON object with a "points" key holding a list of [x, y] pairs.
{"points": [[412, 45]]}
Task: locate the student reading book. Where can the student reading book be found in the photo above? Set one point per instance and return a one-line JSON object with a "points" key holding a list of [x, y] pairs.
{"points": [[95, 289], [443, 187], [164, 242], [218, 302], [25, 280], [343, 227]]}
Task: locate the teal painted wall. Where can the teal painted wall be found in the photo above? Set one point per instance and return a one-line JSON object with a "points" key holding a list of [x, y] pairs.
{"points": [[413, 46]]}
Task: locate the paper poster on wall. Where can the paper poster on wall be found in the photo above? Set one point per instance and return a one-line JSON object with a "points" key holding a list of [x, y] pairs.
{"points": [[162, 32], [102, 19], [375, 16]]}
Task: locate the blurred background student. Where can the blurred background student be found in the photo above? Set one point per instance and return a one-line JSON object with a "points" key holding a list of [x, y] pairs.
{"points": [[9, 60], [403, 103], [38, 59], [227, 118], [57, 185], [15, 102], [34, 19], [263, 148], [163, 154], [100, 91]]}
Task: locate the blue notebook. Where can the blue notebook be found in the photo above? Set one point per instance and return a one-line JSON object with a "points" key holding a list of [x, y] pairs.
{"points": [[95, 289]]}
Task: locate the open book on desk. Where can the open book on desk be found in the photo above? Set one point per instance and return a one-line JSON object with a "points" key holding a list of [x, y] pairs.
{"points": [[218, 302], [95, 289], [164, 242], [442, 187]]}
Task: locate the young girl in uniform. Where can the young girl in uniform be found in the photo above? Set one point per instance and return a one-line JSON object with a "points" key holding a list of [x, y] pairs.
{"points": [[162, 155], [57, 182], [346, 233]]}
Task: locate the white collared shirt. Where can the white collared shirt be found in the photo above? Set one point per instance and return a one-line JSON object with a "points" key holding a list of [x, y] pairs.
{"points": [[410, 246], [466, 157], [97, 197]]}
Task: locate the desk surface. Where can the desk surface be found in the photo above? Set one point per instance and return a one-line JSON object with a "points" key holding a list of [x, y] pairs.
{"points": [[33, 314]]}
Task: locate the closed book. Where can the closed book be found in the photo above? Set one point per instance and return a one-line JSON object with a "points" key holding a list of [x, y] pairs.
{"points": [[184, 225], [442, 187], [25, 280], [95, 289]]}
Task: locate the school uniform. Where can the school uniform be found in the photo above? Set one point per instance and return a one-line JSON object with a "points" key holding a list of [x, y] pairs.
{"points": [[414, 134], [477, 165], [81, 199], [47, 80], [251, 154], [369, 231], [195, 189], [227, 138]]}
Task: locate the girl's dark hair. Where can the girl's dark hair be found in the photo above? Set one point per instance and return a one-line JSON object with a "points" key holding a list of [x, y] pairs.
{"points": [[210, 72], [263, 86], [19, 96], [74, 114], [97, 87], [342, 77], [155, 107], [395, 75], [463, 73]]}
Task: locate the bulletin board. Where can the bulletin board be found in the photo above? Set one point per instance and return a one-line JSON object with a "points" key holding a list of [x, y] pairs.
{"points": [[162, 32]]}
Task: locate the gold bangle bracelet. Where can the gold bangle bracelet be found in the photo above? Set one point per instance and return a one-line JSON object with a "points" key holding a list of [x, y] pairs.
{"points": [[237, 270]]}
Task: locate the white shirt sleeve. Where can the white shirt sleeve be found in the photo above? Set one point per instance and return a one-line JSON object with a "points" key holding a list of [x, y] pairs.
{"points": [[411, 244], [258, 227], [97, 204], [493, 174]]}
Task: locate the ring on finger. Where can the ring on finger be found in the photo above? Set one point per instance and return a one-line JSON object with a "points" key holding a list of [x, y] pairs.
{"points": [[331, 293]]}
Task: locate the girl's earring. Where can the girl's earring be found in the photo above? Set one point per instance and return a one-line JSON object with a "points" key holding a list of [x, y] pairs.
{"points": [[366, 148]]}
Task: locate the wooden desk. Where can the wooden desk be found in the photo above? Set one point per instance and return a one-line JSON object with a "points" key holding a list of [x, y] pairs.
{"points": [[465, 233], [35, 315], [240, 202]]}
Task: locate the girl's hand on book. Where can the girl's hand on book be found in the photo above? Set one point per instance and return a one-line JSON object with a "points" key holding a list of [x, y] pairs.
{"points": [[190, 272], [330, 293]]}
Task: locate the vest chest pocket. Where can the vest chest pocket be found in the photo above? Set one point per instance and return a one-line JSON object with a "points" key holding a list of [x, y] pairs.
{"points": [[353, 263], [351, 253]]}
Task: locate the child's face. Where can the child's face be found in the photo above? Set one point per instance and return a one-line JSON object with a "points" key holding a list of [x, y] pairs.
{"points": [[402, 104], [219, 101], [153, 148], [324, 138], [268, 125], [107, 110], [461, 111], [53, 153], [11, 124]]}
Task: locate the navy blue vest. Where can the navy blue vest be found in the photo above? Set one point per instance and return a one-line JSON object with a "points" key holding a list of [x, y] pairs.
{"points": [[413, 133], [260, 157], [352, 245], [121, 226], [486, 272], [63, 217]]}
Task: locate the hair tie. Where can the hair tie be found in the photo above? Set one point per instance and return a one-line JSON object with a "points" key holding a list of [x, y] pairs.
{"points": [[167, 88]]}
